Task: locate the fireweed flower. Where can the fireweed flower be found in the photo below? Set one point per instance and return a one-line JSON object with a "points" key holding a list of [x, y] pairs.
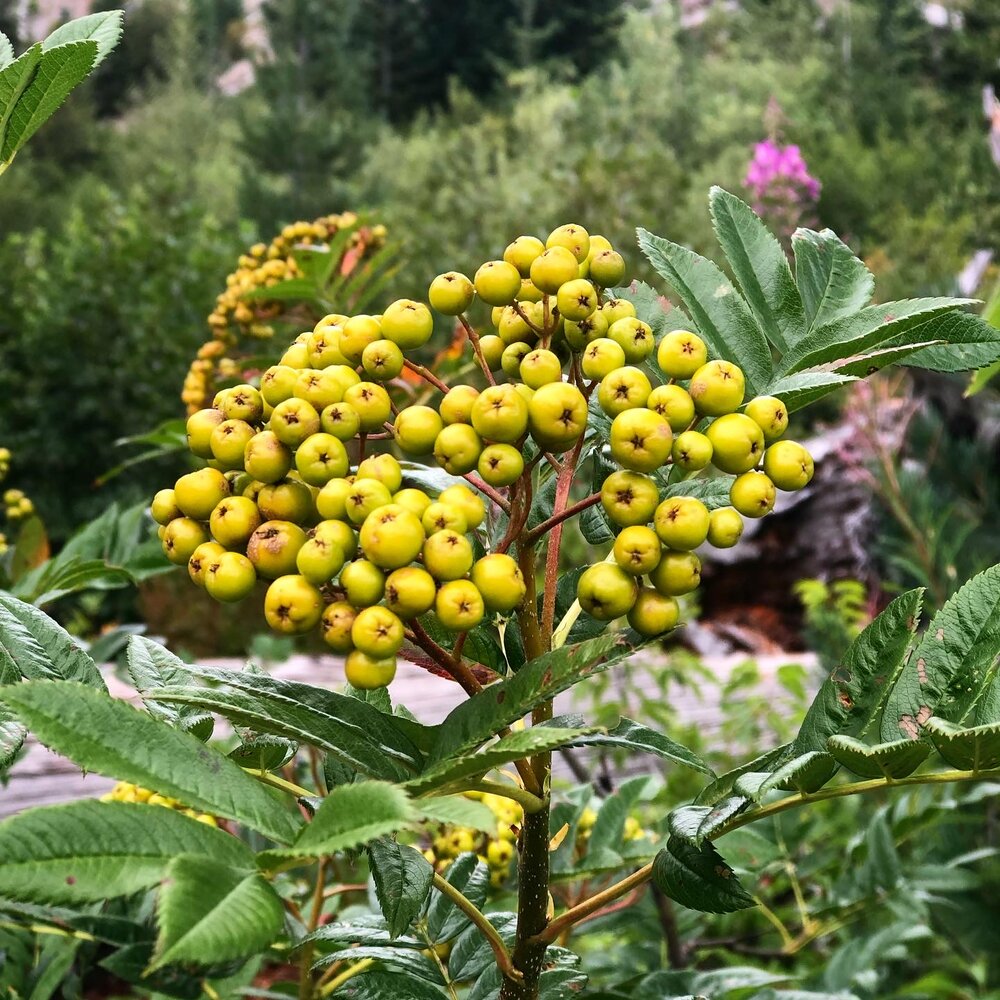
{"points": [[781, 186]]}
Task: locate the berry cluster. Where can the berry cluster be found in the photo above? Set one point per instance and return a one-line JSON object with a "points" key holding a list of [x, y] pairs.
{"points": [[16, 505], [265, 265], [495, 849], [289, 497], [126, 792]]}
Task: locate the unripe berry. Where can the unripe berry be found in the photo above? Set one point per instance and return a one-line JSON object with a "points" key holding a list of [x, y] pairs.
{"points": [[200, 559], [266, 459], [414, 500], [717, 388], [616, 309], [382, 360], [500, 414], [324, 346], [447, 555], [451, 293], [586, 331], [640, 440], [468, 502], [677, 573], [522, 252], [574, 238], [164, 507], [497, 282], [289, 500], [331, 503], [391, 536], [498, 578], [635, 338], [384, 468], [410, 592], [278, 384], [725, 526], [319, 561], [199, 427], [557, 415], [407, 324], [492, 348], [336, 624], [606, 591], [770, 414], [691, 451], [456, 407], [552, 269], [513, 355], [367, 673], [180, 539], [320, 458], [341, 420], [681, 523], [363, 583], [752, 494], [624, 389], [789, 465], [737, 443], [337, 533], [602, 357], [230, 577], [233, 521], [607, 268], [681, 353], [357, 334], [197, 493], [457, 449], [576, 299], [540, 367], [243, 402], [229, 441], [528, 292], [344, 375], [372, 404], [459, 605], [629, 498], [500, 465], [293, 421], [653, 613], [377, 632], [319, 388], [273, 548], [444, 517], [292, 605], [297, 356], [637, 550], [673, 403], [365, 496]]}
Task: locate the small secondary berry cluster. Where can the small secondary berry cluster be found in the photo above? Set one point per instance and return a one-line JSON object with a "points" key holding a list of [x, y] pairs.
{"points": [[16, 506], [124, 791], [292, 493], [264, 265]]}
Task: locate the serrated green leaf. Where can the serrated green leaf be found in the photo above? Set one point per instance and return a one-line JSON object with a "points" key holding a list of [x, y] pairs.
{"points": [[516, 746], [150, 666], [760, 267], [805, 388], [698, 878], [723, 786], [629, 735], [209, 913], [807, 773], [263, 752], [605, 842], [832, 282], [35, 646], [870, 362], [472, 878], [92, 851], [719, 815], [103, 28], [106, 735], [14, 80], [401, 960], [882, 867], [712, 491], [652, 308], [471, 954], [891, 323], [458, 810], [949, 670], [366, 929], [719, 312], [969, 342], [402, 878], [851, 699], [59, 71], [353, 731], [973, 749], [68, 575], [501, 704], [881, 760], [6, 51], [543, 502], [349, 817], [982, 378], [12, 733], [380, 984]]}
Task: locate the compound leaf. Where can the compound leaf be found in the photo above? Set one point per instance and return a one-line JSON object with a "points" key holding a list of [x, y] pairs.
{"points": [[402, 878], [832, 282], [697, 877]]}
